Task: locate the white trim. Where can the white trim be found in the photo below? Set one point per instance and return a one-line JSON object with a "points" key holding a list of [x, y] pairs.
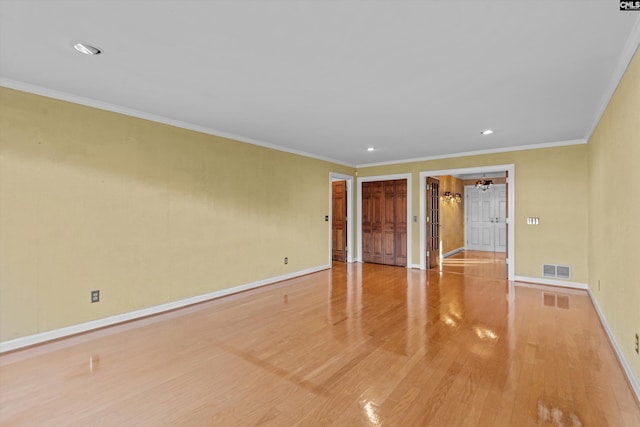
{"points": [[50, 93], [635, 385], [628, 52], [552, 282], [480, 152], [406, 176], [453, 252], [416, 266], [137, 314], [511, 208], [349, 180]]}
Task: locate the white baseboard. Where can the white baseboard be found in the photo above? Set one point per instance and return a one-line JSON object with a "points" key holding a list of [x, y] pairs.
{"points": [[627, 369], [137, 314], [453, 252], [551, 282], [414, 266]]}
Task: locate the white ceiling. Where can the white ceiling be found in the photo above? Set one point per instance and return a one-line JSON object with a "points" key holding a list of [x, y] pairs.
{"points": [[414, 79]]}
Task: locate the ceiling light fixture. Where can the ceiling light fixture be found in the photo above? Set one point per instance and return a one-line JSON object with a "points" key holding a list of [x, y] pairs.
{"points": [[484, 184], [370, 149], [486, 132], [87, 49]]}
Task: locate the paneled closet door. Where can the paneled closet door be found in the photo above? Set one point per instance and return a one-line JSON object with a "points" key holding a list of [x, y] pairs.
{"points": [[384, 223], [400, 235]]}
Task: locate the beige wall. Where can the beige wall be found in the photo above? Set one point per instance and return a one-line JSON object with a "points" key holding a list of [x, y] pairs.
{"points": [[614, 209], [451, 215], [144, 212], [550, 183]]}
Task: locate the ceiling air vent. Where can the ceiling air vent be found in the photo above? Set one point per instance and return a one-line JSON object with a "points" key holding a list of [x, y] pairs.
{"points": [[554, 271]]}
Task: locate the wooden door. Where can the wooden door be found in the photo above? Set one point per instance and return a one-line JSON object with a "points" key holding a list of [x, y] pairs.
{"points": [[400, 209], [384, 222], [339, 221], [433, 222], [389, 224], [372, 220], [377, 219], [367, 222]]}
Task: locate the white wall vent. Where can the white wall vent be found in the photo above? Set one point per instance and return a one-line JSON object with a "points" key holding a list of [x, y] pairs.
{"points": [[554, 271]]}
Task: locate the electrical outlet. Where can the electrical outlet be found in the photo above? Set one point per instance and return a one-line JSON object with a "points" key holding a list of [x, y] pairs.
{"points": [[95, 296], [286, 260], [637, 344]]}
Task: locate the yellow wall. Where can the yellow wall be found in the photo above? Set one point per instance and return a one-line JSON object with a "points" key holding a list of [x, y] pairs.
{"points": [[451, 215], [614, 211], [146, 213], [550, 183], [150, 213]]}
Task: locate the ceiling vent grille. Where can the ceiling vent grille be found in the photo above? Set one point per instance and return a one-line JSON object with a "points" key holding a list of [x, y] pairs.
{"points": [[554, 271]]}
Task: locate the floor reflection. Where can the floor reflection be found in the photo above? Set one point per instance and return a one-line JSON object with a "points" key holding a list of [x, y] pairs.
{"points": [[360, 344], [476, 263]]}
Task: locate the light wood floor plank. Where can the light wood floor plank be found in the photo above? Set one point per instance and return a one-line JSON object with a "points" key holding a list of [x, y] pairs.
{"points": [[359, 344]]}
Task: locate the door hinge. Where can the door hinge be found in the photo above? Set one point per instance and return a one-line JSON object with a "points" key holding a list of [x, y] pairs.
{"points": [[427, 219], [428, 187], [428, 253]]}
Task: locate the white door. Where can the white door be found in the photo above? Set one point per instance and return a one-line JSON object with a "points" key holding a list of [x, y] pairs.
{"points": [[500, 217], [485, 219]]}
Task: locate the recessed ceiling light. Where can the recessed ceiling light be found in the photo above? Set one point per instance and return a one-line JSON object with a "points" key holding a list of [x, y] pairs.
{"points": [[87, 49], [371, 149], [486, 132]]}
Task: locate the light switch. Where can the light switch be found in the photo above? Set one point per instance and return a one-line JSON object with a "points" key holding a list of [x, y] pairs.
{"points": [[533, 220]]}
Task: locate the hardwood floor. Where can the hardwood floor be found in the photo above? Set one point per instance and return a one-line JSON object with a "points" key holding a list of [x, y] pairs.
{"points": [[361, 344]]}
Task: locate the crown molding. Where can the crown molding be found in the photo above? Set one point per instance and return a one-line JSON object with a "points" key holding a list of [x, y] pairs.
{"points": [[629, 50], [481, 152], [63, 96]]}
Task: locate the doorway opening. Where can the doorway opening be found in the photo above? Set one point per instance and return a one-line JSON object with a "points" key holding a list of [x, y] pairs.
{"points": [[455, 200], [340, 218]]}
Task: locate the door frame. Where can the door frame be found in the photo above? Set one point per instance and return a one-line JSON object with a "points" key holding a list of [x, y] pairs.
{"points": [[511, 180], [334, 176], [406, 176]]}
